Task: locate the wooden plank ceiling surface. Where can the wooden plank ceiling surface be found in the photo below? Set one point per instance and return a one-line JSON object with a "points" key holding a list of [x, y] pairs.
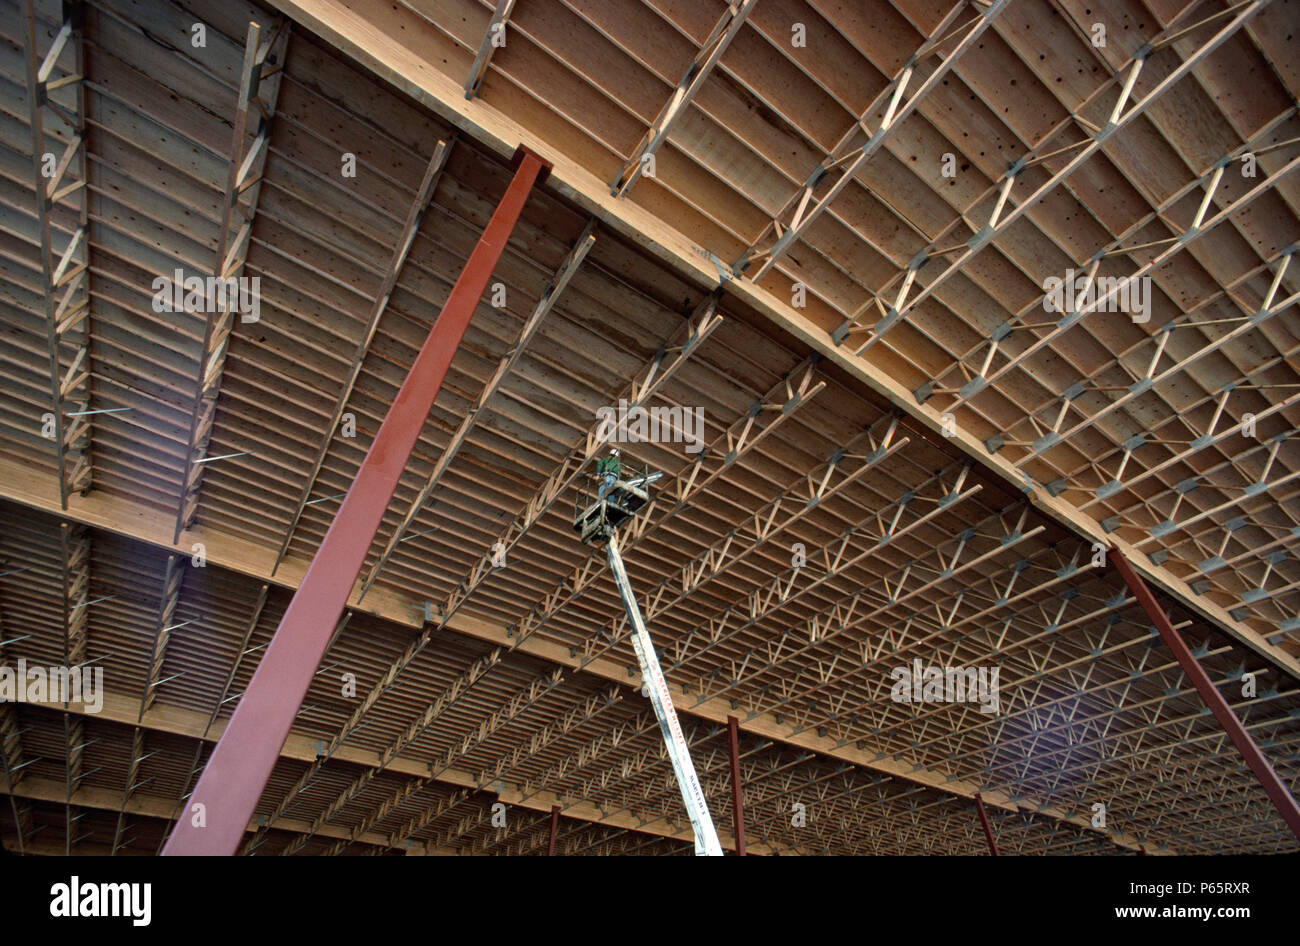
{"points": [[826, 534]]}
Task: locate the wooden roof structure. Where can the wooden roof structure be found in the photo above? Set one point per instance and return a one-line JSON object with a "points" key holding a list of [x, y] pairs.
{"points": [[829, 225]]}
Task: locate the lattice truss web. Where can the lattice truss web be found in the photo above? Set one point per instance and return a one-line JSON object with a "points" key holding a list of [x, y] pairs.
{"points": [[904, 456]]}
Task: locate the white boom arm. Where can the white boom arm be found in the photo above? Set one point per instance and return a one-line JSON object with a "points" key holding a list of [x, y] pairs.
{"points": [[706, 838]]}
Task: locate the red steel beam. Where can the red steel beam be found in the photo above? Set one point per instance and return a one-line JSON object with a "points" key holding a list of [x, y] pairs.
{"points": [[555, 829], [240, 765], [988, 828], [737, 806], [1273, 786]]}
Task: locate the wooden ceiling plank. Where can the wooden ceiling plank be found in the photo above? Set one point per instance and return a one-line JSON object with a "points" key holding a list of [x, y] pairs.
{"points": [[550, 295], [258, 89], [414, 217]]}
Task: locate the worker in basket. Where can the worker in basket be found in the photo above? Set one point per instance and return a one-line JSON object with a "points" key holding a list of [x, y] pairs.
{"points": [[610, 468]]}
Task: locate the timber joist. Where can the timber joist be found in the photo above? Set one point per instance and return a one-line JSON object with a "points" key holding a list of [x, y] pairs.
{"points": [[414, 217], [259, 86], [60, 180]]}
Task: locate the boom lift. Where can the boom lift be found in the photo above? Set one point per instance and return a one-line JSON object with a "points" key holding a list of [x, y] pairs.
{"points": [[617, 501]]}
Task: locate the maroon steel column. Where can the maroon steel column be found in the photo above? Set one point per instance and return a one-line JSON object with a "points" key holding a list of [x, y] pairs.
{"points": [[237, 772], [737, 808], [555, 828], [988, 829], [1276, 789]]}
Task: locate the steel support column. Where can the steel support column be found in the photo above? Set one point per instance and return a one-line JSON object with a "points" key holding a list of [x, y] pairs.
{"points": [[988, 828], [737, 805], [555, 829], [240, 765], [1273, 786]]}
